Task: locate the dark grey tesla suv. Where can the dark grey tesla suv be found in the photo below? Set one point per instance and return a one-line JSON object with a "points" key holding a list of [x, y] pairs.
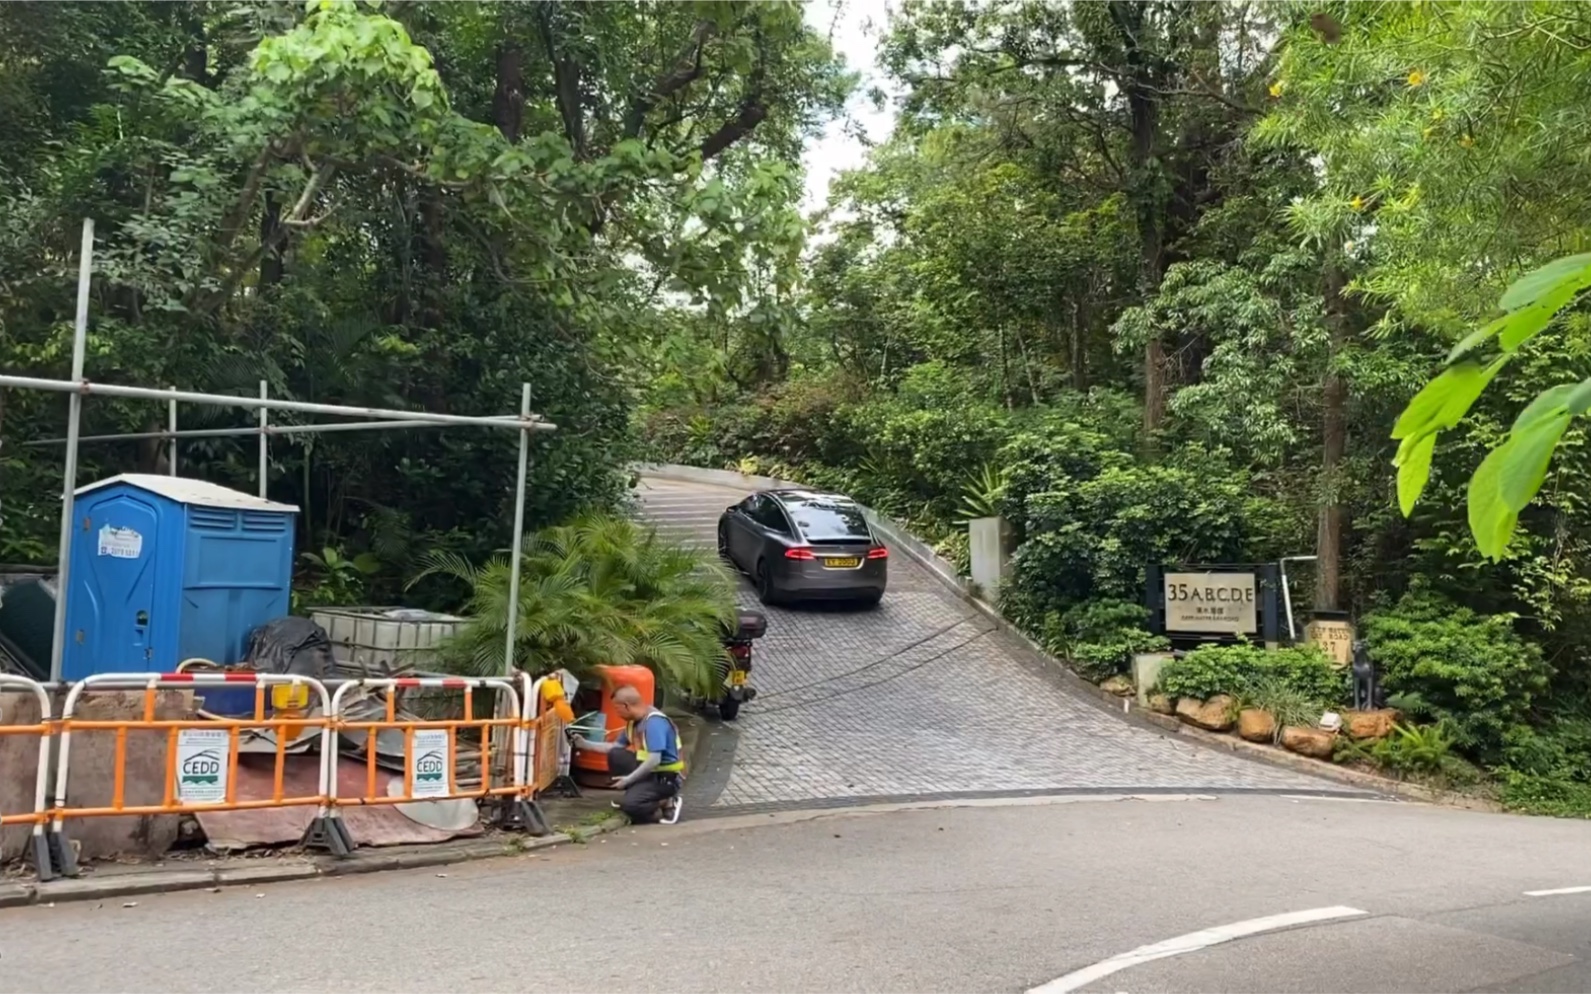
{"points": [[804, 545]]}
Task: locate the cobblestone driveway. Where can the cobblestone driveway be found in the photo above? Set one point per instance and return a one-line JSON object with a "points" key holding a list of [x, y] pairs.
{"points": [[921, 697]]}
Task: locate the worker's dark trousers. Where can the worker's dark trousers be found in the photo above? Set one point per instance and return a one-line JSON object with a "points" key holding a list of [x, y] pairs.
{"points": [[645, 796]]}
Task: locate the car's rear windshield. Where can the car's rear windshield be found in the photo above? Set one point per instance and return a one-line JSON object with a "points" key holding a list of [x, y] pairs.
{"points": [[827, 520]]}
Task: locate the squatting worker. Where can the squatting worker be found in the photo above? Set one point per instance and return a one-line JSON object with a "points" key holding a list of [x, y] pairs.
{"points": [[644, 759]]}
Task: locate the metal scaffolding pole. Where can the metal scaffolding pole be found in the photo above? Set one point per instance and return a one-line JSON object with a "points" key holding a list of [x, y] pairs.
{"points": [[171, 427], [533, 423], [78, 387], [265, 441], [519, 533], [508, 420], [74, 420]]}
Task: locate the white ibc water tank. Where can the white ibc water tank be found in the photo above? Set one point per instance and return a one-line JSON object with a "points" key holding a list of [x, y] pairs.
{"points": [[386, 639]]}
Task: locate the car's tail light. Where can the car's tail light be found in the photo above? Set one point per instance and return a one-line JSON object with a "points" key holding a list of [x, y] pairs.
{"points": [[740, 651], [800, 552], [878, 553]]}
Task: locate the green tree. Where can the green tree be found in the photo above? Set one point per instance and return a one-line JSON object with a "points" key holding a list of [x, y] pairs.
{"points": [[413, 204]]}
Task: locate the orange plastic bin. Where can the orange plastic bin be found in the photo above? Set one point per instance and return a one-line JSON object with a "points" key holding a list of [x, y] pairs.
{"points": [[614, 677]]}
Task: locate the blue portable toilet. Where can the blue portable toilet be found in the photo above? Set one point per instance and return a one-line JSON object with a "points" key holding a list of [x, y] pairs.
{"points": [[166, 568]]}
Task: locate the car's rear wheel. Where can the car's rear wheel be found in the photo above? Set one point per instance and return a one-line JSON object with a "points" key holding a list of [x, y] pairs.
{"points": [[729, 709], [723, 546], [765, 591], [872, 600]]}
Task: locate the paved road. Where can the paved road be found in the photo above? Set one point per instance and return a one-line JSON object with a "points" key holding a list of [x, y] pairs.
{"points": [[974, 898], [921, 697]]}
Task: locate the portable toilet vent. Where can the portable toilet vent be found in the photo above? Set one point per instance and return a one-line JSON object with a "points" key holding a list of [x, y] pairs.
{"points": [[166, 569]]}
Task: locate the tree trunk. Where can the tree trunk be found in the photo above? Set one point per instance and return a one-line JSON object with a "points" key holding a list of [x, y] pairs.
{"points": [[508, 102], [1143, 109], [1027, 368], [1079, 346], [433, 256], [271, 261], [152, 455], [1005, 371], [1334, 444], [196, 56]]}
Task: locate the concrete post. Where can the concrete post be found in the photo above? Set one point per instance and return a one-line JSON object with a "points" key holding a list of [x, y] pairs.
{"points": [[991, 546]]}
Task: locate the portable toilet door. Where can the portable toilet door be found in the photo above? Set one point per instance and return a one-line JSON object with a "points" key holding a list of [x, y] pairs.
{"points": [[165, 567], [111, 606]]}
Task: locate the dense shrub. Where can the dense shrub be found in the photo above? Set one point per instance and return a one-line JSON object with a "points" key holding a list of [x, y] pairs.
{"points": [[1537, 795], [1053, 453], [1113, 653], [804, 420], [1233, 669], [1093, 539], [1448, 663], [919, 459], [1096, 621], [937, 384], [1100, 638]]}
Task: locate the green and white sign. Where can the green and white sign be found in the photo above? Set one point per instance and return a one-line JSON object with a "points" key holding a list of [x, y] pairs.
{"points": [[204, 757], [429, 762]]}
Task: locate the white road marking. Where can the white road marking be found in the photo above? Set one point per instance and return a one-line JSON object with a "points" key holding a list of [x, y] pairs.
{"points": [[1192, 942], [1556, 891], [1342, 800]]}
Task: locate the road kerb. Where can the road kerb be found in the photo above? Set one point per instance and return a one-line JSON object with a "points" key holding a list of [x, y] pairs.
{"points": [[14, 894], [160, 881], [154, 881], [265, 873]]}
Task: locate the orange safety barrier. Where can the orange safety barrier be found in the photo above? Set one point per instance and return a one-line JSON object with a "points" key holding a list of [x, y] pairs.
{"points": [[201, 753], [42, 729], [430, 749], [546, 750]]}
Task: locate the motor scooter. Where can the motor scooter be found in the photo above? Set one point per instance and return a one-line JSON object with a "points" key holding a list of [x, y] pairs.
{"points": [[736, 668]]}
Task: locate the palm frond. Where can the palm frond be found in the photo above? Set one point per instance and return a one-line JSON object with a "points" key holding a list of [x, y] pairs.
{"points": [[598, 589]]}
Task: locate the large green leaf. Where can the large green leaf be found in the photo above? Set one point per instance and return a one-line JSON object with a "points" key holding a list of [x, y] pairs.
{"points": [[1530, 304], [1546, 404], [1577, 397], [1444, 401], [1490, 520], [1424, 410], [1570, 271], [1463, 395], [1522, 325], [1414, 469], [1476, 338], [1525, 458]]}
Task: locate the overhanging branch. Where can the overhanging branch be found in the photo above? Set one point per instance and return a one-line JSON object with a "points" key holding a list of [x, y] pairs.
{"points": [[752, 113], [687, 69]]}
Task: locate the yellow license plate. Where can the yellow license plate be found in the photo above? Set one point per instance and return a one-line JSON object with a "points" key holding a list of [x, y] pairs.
{"points": [[737, 678], [839, 562]]}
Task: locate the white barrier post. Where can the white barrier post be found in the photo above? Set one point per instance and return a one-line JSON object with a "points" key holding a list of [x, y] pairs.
{"points": [[502, 686], [529, 809], [39, 841], [524, 741]]}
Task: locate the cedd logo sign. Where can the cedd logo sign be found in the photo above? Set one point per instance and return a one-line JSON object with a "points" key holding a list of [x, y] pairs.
{"points": [[430, 767], [201, 768]]}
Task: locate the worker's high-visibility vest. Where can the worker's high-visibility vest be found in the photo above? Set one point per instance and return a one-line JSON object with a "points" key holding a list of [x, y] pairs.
{"points": [[641, 752]]}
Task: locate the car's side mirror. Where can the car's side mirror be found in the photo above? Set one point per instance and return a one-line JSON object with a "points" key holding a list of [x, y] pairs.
{"points": [[731, 509]]}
